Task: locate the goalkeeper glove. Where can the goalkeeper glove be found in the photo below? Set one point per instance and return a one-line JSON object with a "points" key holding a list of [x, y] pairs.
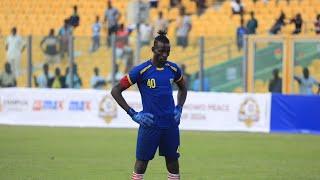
{"points": [[177, 114], [144, 119]]}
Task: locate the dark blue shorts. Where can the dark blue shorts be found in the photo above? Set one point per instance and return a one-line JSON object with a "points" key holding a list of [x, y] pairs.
{"points": [[149, 139]]}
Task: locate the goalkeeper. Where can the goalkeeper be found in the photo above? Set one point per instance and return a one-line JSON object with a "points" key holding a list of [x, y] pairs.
{"points": [[160, 118]]}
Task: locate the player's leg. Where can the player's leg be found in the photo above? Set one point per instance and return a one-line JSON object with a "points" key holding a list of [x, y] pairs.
{"points": [[173, 168], [169, 147], [139, 169], [147, 144]]}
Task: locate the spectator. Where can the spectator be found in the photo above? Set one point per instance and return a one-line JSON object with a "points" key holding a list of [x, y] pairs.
{"points": [[306, 82], [96, 27], [237, 7], [128, 58], [118, 75], [160, 24], [183, 29], [121, 41], [43, 80], [297, 23], [201, 6], [153, 3], [278, 24], [74, 18], [111, 16], [57, 81], [97, 81], [14, 47], [241, 32], [186, 76], [51, 49], [142, 10], [175, 3], [7, 78], [64, 33], [317, 25], [275, 84], [252, 24], [77, 82], [146, 33], [196, 83], [65, 77]]}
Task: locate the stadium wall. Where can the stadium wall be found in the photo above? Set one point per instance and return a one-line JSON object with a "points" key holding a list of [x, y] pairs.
{"points": [[202, 111]]}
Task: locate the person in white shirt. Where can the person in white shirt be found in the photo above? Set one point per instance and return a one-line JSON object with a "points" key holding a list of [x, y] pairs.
{"points": [[14, 47], [146, 33], [160, 24], [237, 7], [42, 81], [77, 82], [306, 82], [96, 28], [117, 77], [97, 81], [183, 28]]}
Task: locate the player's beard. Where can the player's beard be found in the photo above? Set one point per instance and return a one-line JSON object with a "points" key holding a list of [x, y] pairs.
{"points": [[162, 60]]}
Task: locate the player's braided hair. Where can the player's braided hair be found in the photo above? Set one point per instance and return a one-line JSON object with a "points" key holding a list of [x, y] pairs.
{"points": [[161, 37]]}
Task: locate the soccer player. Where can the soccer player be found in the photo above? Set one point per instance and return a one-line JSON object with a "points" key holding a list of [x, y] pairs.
{"points": [[160, 118]]}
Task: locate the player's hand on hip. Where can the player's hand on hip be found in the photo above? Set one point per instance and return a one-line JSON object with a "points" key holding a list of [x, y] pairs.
{"points": [[177, 114], [142, 118]]}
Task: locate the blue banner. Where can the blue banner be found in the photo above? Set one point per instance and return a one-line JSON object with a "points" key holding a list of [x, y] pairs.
{"points": [[295, 114]]}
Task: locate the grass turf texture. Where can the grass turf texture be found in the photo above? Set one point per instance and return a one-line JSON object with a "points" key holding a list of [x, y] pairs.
{"points": [[76, 153]]}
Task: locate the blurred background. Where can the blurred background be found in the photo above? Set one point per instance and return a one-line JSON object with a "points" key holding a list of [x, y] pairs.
{"points": [[221, 45]]}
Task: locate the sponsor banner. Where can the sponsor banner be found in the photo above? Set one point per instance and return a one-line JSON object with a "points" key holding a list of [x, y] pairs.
{"points": [[227, 112], [96, 108], [65, 107], [295, 114]]}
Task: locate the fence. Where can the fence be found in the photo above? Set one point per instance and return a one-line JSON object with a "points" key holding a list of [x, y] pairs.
{"points": [[212, 63]]}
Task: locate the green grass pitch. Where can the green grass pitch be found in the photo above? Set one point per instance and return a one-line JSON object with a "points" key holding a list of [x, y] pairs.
{"points": [[90, 153]]}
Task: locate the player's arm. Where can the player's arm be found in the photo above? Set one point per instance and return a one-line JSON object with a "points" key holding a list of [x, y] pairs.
{"points": [[181, 97], [182, 92], [144, 119], [116, 93]]}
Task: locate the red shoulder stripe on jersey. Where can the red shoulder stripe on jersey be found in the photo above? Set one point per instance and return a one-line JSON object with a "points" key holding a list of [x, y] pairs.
{"points": [[125, 82]]}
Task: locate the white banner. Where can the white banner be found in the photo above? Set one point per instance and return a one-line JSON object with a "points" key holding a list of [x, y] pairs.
{"points": [[227, 112], [96, 108]]}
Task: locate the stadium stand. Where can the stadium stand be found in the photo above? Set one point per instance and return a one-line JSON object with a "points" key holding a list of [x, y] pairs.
{"points": [[33, 17]]}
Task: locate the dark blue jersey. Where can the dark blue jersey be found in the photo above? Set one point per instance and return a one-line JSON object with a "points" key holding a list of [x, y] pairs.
{"points": [[155, 86]]}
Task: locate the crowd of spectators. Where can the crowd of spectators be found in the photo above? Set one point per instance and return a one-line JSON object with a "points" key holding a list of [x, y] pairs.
{"points": [[56, 46]]}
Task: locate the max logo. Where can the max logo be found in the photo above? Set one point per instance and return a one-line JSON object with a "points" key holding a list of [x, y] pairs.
{"points": [[79, 106], [39, 105]]}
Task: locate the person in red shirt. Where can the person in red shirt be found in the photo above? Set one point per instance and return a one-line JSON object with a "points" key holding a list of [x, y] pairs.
{"points": [[122, 36]]}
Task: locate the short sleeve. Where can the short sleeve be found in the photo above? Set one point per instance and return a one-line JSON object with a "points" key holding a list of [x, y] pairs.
{"points": [[133, 75]]}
